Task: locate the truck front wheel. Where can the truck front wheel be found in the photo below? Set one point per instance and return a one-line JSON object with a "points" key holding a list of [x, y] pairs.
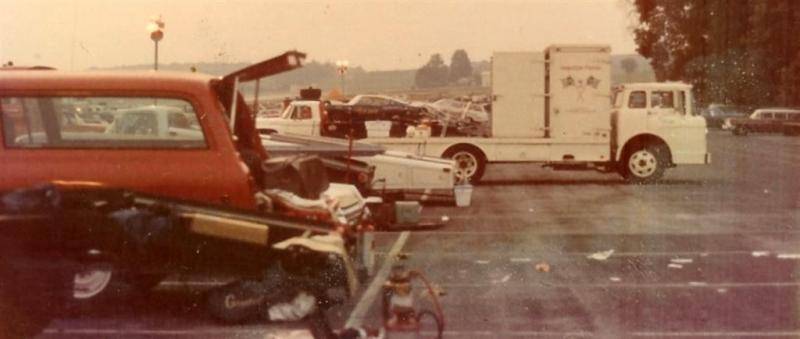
{"points": [[645, 164], [470, 163]]}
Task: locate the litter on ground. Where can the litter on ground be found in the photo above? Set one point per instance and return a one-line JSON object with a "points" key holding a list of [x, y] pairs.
{"points": [[604, 255], [675, 266], [681, 261], [542, 267]]}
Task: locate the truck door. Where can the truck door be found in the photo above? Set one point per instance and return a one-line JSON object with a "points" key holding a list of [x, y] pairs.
{"points": [[663, 112], [301, 120]]}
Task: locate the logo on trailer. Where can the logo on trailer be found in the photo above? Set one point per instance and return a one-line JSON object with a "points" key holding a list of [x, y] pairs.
{"points": [[580, 84]]}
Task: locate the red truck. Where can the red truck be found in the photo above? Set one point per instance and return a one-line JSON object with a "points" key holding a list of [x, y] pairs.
{"points": [[174, 135]]}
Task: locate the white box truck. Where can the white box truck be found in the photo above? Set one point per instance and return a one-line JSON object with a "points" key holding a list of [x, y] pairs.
{"points": [[558, 108]]}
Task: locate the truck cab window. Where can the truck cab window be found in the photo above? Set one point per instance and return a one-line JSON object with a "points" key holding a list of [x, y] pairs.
{"points": [[662, 99], [638, 99]]}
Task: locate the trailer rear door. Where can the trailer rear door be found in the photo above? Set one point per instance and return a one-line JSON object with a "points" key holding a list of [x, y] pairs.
{"points": [[579, 91], [518, 95]]}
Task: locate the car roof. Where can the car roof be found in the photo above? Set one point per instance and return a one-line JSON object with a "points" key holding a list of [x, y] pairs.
{"points": [[659, 85], [53, 80], [777, 109]]}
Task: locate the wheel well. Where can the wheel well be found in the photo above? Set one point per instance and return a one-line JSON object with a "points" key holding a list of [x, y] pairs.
{"points": [[642, 140], [468, 146]]}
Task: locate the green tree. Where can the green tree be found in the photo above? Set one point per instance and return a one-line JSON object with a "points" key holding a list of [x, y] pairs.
{"points": [[460, 66], [432, 74], [739, 52]]}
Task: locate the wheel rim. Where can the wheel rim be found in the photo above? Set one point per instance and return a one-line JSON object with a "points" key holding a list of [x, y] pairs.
{"points": [[643, 163], [466, 165], [90, 283]]}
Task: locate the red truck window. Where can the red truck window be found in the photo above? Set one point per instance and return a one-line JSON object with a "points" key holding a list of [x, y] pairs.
{"points": [[100, 122]]}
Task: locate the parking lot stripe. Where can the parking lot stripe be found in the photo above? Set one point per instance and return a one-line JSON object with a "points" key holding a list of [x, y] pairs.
{"points": [[716, 334], [226, 331], [691, 284], [357, 316]]}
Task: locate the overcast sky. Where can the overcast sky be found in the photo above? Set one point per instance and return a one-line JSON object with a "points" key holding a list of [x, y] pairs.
{"points": [[378, 35]]}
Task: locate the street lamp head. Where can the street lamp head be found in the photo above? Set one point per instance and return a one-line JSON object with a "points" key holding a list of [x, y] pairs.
{"points": [[156, 28]]}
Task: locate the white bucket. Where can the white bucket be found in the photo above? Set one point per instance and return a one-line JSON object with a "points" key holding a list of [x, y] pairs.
{"points": [[463, 195]]}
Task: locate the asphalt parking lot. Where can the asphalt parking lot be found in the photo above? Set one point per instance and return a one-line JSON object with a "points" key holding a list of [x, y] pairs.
{"points": [[712, 251]]}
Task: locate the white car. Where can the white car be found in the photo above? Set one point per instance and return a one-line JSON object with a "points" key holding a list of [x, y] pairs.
{"points": [[455, 110]]}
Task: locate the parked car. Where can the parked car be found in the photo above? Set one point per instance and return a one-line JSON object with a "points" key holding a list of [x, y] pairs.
{"points": [[175, 135], [465, 111], [716, 114], [763, 120]]}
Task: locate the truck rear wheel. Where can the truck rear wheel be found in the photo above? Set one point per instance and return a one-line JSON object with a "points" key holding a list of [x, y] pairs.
{"points": [[470, 163], [645, 164]]}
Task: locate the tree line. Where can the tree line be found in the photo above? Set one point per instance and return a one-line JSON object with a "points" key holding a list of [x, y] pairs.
{"points": [[436, 73], [735, 52]]}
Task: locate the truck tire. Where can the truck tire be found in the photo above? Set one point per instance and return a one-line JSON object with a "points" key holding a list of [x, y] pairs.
{"points": [[644, 164], [740, 131], [470, 163]]}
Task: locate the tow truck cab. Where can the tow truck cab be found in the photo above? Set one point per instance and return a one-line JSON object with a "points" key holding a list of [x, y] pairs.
{"points": [[658, 113]]}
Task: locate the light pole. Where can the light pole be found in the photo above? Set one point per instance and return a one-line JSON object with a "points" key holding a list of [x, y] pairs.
{"points": [[341, 68], [156, 29]]}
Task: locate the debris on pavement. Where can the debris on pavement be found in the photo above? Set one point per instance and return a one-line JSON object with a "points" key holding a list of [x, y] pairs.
{"points": [[760, 253], [681, 260], [297, 309], [722, 290], [520, 260], [445, 218], [601, 255], [615, 279], [675, 266], [503, 280], [481, 262], [542, 267], [789, 256]]}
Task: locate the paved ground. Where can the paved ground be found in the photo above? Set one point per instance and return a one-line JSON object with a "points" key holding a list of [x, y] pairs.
{"points": [[713, 251]]}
